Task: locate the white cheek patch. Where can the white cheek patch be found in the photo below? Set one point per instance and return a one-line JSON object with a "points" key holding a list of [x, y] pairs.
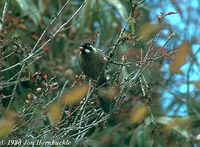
{"points": [[87, 50], [94, 49]]}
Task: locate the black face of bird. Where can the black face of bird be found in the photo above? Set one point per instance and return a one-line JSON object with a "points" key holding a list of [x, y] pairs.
{"points": [[87, 48]]}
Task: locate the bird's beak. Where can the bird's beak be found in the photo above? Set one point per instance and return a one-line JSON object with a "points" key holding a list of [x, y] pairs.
{"points": [[81, 48]]}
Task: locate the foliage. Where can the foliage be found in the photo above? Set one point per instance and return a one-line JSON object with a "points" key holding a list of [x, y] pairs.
{"points": [[45, 96]]}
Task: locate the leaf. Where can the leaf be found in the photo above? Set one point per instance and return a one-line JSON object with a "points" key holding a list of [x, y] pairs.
{"points": [[146, 31], [29, 8], [41, 6], [100, 16], [75, 95], [141, 136], [180, 57], [180, 125], [120, 8], [123, 75], [109, 93], [6, 126], [197, 84], [54, 113], [171, 13], [132, 23], [194, 104], [138, 114]]}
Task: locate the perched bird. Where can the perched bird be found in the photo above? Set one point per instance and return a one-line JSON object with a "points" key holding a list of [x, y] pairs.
{"points": [[92, 62]]}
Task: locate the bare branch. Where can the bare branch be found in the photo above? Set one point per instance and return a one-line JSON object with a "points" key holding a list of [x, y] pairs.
{"points": [[5, 8]]}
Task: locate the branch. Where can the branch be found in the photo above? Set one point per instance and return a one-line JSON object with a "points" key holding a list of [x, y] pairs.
{"points": [[5, 8], [34, 51], [52, 21], [120, 39]]}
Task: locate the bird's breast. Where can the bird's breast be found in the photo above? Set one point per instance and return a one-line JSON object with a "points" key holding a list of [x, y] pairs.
{"points": [[92, 66]]}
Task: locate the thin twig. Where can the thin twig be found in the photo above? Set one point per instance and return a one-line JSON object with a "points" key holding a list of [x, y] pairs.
{"points": [[32, 54], [5, 8], [160, 49], [62, 91], [62, 26], [15, 87], [52, 21], [119, 39]]}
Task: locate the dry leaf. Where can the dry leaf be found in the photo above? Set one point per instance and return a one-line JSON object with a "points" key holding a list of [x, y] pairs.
{"points": [[75, 95], [109, 93], [54, 113], [197, 84], [178, 124], [180, 57], [138, 114], [146, 31], [23, 27], [171, 13], [6, 126]]}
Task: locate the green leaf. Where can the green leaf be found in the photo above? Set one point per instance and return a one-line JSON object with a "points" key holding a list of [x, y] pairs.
{"points": [[195, 106], [100, 16], [124, 74], [132, 23], [41, 6], [141, 136], [120, 8], [177, 124], [30, 9]]}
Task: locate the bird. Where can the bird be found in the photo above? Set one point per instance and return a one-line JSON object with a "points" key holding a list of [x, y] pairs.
{"points": [[93, 63]]}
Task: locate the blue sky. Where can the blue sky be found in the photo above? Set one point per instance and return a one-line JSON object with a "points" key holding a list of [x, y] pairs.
{"points": [[187, 27]]}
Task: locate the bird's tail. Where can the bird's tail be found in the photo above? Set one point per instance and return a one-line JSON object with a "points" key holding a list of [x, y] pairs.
{"points": [[105, 102]]}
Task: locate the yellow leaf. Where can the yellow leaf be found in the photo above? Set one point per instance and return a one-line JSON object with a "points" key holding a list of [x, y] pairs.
{"points": [[180, 125], [109, 93], [146, 31], [55, 111], [6, 125], [75, 95], [138, 114], [180, 57], [197, 84], [11, 115]]}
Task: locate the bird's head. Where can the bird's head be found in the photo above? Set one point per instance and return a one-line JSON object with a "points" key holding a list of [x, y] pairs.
{"points": [[87, 48]]}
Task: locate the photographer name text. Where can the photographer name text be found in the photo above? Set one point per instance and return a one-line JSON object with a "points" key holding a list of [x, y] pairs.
{"points": [[34, 142]]}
